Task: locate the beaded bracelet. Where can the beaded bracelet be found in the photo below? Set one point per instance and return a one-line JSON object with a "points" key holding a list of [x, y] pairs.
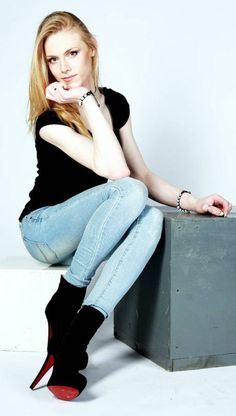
{"points": [[185, 211], [81, 99]]}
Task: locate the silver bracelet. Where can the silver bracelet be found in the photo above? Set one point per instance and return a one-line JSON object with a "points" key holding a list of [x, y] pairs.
{"points": [[185, 211]]}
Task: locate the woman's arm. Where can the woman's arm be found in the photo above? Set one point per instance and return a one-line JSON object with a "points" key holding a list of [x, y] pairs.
{"points": [[103, 154], [160, 190]]}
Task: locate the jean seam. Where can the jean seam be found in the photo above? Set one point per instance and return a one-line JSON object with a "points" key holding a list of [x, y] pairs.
{"points": [[78, 196], [116, 203], [121, 260], [39, 248], [44, 254]]}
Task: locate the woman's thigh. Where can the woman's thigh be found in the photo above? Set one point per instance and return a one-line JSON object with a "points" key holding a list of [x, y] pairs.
{"points": [[52, 234]]}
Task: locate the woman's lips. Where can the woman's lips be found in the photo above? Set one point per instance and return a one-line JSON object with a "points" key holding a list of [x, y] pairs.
{"points": [[68, 78]]}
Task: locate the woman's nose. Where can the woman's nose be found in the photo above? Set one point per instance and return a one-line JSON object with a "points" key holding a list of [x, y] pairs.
{"points": [[64, 65]]}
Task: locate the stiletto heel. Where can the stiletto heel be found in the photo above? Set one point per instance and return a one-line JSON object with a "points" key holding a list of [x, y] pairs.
{"points": [[60, 312], [48, 363]]}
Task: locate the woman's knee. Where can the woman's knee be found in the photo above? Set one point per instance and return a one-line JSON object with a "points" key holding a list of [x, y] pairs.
{"points": [[134, 189]]}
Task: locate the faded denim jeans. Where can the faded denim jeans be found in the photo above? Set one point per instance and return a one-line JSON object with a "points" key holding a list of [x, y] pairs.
{"points": [[110, 222]]}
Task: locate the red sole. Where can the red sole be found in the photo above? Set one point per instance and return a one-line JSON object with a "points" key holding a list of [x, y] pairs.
{"points": [[64, 392]]}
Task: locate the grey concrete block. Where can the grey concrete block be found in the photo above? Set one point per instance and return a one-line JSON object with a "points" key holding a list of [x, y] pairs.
{"points": [[181, 312]]}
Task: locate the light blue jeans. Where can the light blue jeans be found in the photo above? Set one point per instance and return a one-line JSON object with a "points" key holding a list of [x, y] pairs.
{"points": [[110, 222]]}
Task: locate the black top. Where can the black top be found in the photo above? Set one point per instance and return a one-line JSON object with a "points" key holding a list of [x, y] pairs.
{"points": [[59, 176]]}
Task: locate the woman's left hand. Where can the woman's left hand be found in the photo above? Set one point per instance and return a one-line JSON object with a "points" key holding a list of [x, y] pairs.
{"points": [[57, 92], [213, 204]]}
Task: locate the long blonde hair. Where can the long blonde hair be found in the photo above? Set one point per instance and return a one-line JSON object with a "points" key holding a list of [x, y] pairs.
{"points": [[41, 76]]}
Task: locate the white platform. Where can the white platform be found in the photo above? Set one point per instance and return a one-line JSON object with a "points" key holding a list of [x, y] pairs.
{"points": [[26, 286]]}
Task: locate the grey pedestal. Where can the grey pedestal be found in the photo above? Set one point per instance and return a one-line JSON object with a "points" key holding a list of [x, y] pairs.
{"points": [[181, 312]]}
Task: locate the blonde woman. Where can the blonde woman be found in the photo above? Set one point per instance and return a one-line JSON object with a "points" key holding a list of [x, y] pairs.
{"points": [[75, 216]]}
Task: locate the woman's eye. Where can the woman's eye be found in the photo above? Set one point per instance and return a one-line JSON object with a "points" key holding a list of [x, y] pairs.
{"points": [[74, 53], [52, 60]]}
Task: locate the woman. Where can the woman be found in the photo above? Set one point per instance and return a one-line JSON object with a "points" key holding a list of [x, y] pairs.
{"points": [[77, 217]]}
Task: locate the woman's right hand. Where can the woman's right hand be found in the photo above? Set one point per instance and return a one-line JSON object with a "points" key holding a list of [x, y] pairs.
{"points": [[58, 93]]}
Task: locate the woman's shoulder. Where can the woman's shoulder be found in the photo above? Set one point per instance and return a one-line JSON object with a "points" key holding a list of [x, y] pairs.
{"points": [[47, 117], [118, 105], [113, 94]]}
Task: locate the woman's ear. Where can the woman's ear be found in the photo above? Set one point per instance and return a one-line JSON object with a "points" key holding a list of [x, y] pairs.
{"points": [[95, 46]]}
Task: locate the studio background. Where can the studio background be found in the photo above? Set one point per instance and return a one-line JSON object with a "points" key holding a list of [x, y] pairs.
{"points": [[174, 60]]}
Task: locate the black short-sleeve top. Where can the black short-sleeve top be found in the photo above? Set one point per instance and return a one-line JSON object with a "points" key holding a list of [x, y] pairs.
{"points": [[60, 177]]}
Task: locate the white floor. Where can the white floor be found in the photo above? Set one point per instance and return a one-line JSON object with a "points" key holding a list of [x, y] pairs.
{"points": [[120, 382]]}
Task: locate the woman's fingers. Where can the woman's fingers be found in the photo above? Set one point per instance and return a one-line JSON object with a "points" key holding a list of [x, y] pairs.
{"points": [[216, 205], [56, 91], [215, 211]]}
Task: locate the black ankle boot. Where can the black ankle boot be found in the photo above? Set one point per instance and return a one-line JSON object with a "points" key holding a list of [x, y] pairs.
{"points": [[66, 382], [60, 312]]}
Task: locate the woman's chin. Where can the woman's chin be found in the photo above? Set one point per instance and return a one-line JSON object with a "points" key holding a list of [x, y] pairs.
{"points": [[72, 84]]}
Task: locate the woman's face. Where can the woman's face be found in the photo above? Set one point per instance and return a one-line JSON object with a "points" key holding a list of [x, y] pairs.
{"points": [[69, 59]]}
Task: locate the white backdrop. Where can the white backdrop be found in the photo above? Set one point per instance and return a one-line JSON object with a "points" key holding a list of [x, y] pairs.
{"points": [[174, 60]]}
